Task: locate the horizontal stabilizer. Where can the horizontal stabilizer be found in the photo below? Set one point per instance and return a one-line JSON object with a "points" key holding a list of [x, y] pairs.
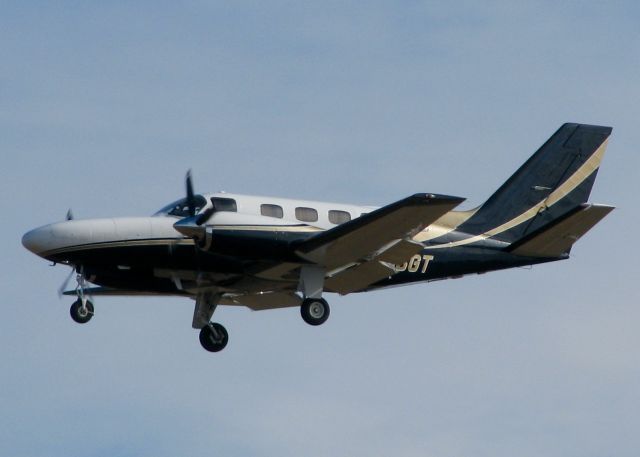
{"points": [[556, 239]]}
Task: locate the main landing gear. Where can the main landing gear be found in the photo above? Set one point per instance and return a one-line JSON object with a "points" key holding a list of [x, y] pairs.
{"points": [[315, 311], [213, 336], [82, 309]]}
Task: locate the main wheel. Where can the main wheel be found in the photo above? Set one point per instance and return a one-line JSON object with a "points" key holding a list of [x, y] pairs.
{"points": [[81, 314], [315, 311], [214, 337]]}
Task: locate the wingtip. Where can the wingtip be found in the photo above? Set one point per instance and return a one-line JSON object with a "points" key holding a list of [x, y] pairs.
{"points": [[437, 198]]}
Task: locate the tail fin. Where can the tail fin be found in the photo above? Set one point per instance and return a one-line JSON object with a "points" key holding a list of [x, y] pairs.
{"points": [[555, 181]]}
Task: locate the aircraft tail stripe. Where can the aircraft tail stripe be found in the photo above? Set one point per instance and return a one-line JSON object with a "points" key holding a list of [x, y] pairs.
{"points": [[573, 182]]}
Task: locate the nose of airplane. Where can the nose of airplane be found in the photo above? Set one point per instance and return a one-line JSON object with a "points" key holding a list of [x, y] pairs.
{"points": [[37, 240], [66, 236]]}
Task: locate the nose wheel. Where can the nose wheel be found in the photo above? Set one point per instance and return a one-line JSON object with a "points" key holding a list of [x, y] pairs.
{"points": [[81, 313], [82, 309], [214, 337]]}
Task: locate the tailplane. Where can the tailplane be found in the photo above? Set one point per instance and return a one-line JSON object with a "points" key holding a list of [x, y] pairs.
{"points": [[549, 190], [557, 238]]}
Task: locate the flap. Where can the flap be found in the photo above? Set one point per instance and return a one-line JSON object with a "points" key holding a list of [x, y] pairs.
{"points": [[357, 277]]}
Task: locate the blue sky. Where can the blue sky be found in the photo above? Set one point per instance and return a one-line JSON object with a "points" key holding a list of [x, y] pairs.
{"points": [[104, 106]]}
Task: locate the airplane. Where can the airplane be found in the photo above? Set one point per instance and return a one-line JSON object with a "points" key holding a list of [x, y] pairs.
{"points": [[265, 253]]}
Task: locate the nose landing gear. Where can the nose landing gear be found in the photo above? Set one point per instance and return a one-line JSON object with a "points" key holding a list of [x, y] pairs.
{"points": [[81, 310], [81, 314]]}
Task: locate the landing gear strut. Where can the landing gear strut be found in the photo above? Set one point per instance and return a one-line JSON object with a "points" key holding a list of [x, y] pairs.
{"points": [[81, 314], [82, 309], [213, 336], [314, 308]]}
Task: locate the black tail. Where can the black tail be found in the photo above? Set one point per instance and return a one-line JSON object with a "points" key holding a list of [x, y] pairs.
{"points": [[556, 180]]}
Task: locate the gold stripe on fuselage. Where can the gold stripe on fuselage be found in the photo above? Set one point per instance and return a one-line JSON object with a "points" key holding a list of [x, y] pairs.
{"points": [[120, 244], [269, 228], [177, 241]]}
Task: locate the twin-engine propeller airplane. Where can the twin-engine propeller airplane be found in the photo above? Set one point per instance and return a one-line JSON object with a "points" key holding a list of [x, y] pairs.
{"points": [[264, 253]]}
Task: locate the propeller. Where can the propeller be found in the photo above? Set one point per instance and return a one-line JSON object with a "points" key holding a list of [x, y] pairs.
{"points": [[65, 283], [192, 225], [191, 199]]}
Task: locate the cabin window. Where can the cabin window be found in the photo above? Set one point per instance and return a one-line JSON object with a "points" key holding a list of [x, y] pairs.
{"points": [[271, 210], [224, 204], [306, 214], [339, 217]]}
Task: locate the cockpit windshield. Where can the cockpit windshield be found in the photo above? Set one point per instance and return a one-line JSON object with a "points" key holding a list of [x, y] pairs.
{"points": [[179, 208]]}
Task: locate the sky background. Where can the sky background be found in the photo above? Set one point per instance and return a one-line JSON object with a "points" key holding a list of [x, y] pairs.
{"points": [[105, 105]]}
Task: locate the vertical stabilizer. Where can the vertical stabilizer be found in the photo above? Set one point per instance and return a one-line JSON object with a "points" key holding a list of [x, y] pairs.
{"points": [[555, 181]]}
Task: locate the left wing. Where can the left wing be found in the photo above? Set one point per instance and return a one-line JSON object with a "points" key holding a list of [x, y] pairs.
{"points": [[365, 250], [254, 301], [376, 231]]}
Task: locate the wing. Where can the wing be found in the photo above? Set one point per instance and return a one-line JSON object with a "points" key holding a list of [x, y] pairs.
{"points": [[262, 301], [111, 292], [372, 232], [365, 250], [255, 302]]}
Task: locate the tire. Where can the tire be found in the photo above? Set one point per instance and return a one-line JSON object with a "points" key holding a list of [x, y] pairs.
{"points": [[80, 315], [315, 311], [214, 337]]}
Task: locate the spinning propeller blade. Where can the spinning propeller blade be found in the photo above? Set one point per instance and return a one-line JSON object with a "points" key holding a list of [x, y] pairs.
{"points": [[191, 200], [191, 225], [66, 281]]}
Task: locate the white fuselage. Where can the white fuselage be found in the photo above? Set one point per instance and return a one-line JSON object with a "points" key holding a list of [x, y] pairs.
{"points": [[250, 211]]}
